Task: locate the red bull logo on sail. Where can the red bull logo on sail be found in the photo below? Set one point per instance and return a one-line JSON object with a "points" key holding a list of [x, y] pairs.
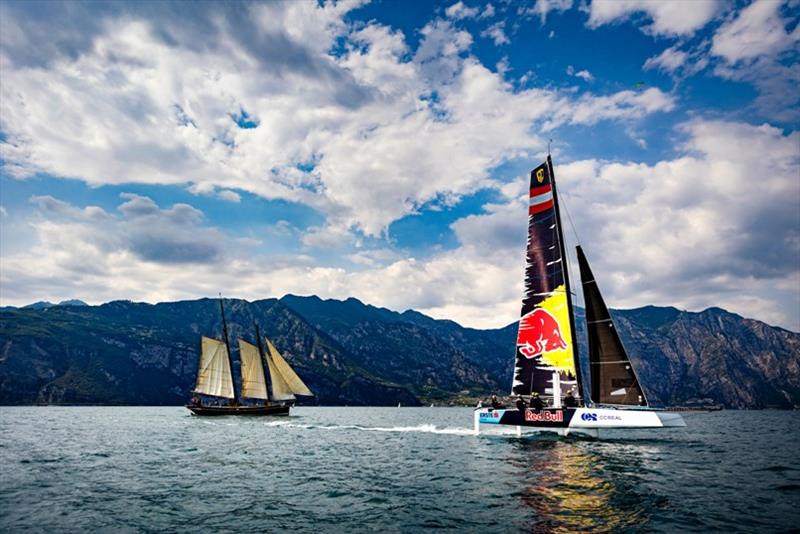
{"points": [[539, 332]]}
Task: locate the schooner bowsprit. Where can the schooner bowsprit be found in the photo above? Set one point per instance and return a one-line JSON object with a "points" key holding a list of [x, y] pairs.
{"points": [[215, 392], [546, 360]]}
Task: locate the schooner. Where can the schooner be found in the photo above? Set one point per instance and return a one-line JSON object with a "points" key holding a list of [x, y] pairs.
{"points": [[215, 392]]}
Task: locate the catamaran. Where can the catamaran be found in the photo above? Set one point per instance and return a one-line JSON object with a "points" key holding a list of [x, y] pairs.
{"points": [[546, 359], [215, 389]]}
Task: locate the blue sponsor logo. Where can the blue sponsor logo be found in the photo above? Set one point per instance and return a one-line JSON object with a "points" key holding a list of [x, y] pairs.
{"points": [[490, 417], [590, 416]]}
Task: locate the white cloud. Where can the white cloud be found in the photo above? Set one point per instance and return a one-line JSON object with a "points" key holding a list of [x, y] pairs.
{"points": [[488, 12], [497, 33], [668, 61], [716, 226], [230, 196], [756, 47], [542, 7], [696, 231], [459, 11], [3, 212], [757, 30], [668, 18], [366, 136], [624, 105], [585, 75]]}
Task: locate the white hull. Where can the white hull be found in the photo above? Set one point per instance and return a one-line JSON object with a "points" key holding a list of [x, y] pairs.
{"points": [[569, 420]]}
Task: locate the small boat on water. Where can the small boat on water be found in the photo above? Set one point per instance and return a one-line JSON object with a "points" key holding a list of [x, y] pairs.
{"points": [[546, 359], [215, 392]]}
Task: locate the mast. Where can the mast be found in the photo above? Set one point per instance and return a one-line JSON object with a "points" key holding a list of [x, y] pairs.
{"points": [[264, 363], [566, 276], [545, 356], [228, 347], [199, 369]]}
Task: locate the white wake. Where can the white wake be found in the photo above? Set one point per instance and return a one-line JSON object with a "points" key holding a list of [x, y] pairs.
{"points": [[425, 428]]}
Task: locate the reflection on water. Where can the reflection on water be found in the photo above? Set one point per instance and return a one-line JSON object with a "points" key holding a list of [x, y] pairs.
{"points": [[571, 486]]}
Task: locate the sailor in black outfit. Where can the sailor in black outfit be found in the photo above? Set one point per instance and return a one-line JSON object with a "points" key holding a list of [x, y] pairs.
{"points": [[536, 402]]}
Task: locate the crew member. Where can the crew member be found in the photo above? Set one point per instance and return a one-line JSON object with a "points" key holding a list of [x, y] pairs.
{"points": [[536, 402], [521, 404], [495, 402], [570, 401]]}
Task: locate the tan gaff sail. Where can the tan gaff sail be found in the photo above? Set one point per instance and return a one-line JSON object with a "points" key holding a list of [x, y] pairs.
{"points": [[285, 382], [214, 376], [253, 384]]}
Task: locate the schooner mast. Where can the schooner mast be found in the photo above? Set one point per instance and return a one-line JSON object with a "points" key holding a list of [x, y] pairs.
{"points": [[228, 348]]}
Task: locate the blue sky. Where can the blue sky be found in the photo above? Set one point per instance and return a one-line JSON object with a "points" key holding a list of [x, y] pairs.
{"points": [[164, 151]]}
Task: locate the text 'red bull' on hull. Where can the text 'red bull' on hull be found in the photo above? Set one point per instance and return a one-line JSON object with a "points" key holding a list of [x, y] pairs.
{"points": [[547, 363]]}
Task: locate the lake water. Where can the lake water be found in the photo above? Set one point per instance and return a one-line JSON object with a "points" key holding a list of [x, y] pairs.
{"points": [[389, 470]]}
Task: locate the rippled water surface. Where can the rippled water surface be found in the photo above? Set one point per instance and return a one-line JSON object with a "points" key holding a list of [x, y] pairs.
{"points": [[390, 470]]}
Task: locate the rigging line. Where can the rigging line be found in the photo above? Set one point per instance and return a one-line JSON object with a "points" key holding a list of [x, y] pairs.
{"points": [[569, 217], [562, 202]]}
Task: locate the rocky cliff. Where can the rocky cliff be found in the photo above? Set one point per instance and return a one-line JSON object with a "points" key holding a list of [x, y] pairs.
{"points": [[352, 353]]}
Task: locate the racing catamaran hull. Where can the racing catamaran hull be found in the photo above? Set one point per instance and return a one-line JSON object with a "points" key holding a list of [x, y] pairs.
{"points": [[585, 420]]}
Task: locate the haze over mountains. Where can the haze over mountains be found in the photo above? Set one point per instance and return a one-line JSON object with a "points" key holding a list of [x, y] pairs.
{"points": [[352, 353]]}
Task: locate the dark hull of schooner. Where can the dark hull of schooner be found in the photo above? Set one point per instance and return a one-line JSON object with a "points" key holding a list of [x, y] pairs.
{"points": [[276, 409]]}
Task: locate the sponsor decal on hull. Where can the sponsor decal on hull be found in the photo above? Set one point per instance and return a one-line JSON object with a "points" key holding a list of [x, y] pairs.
{"points": [[544, 416], [608, 418], [492, 417]]}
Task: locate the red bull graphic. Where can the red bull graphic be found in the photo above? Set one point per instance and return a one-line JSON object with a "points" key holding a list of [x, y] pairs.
{"points": [[539, 332], [545, 339], [544, 416]]}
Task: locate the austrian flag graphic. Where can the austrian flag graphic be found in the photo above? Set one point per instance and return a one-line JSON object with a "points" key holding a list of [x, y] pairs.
{"points": [[541, 199]]}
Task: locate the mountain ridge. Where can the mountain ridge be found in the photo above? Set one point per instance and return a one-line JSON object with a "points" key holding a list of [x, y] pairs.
{"points": [[355, 353]]}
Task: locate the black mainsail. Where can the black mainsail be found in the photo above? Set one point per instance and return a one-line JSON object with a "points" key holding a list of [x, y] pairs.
{"points": [[613, 378], [546, 337]]}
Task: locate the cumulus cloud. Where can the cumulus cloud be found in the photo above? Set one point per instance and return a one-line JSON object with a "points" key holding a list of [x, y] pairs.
{"points": [[718, 225], [542, 7], [230, 196], [667, 18], [460, 10], [757, 47], [668, 61], [497, 33], [584, 74], [281, 100], [757, 30]]}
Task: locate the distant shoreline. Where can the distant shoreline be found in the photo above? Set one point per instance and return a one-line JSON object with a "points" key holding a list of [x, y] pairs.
{"points": [[89, 405]]}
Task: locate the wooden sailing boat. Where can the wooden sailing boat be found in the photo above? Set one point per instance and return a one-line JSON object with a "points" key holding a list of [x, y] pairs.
{"points": [[215, 388], [546, 360]]}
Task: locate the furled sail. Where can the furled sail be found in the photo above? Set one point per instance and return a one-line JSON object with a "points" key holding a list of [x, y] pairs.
{"points": [[545, 342], [285, 382], [613, 378], [214, 375], [254, 385]]}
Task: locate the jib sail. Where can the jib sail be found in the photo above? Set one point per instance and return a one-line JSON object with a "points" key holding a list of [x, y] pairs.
{"points": [[613, 378], [545, 340]]}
